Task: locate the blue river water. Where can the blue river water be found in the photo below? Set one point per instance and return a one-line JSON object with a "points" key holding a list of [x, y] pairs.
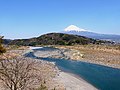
{"points": [[102, 77]]}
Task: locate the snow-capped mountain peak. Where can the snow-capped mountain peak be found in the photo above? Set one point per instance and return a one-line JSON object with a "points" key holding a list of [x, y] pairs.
{"points": [[73, 28]]}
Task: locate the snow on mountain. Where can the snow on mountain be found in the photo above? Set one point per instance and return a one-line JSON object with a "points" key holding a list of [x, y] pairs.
{"points": [[73, 28]]}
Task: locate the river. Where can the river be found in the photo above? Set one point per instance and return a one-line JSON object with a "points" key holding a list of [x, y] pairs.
{"points": [[102, 77]]}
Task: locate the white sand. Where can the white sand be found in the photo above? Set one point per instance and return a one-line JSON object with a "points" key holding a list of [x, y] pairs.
{"points": [[71, 82]]}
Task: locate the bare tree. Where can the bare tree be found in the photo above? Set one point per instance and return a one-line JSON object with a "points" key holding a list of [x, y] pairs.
{"points": [[19, 74]]}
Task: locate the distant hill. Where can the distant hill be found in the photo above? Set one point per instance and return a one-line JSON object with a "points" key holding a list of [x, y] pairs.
{"points": [[57, 39], [6, 41]]}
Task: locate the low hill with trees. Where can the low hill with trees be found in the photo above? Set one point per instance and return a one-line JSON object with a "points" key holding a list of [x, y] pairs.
{"points": [[57, 39]]}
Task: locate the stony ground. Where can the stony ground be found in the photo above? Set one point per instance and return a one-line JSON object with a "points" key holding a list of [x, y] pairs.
{"points": [[69, 82], [47, 71], [98, 55]]}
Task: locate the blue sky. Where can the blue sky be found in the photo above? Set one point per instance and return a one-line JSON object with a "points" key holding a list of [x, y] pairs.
{"points": [[30, 18]]}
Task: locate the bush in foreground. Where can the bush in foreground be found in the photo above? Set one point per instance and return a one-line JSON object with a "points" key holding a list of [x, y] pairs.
{"points": [[2, 49]]}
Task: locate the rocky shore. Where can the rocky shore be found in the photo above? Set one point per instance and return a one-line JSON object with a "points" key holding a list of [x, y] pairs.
{"points": [[46, 71], [96, 57], [72, 82], [67, 80], [50, 76], [101, 56]]}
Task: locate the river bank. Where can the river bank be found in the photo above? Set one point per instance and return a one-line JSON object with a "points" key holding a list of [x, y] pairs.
{"points": [[51, 76], [69, 81], [92, 54], [72, 82], [45, 72], [98, 75]]}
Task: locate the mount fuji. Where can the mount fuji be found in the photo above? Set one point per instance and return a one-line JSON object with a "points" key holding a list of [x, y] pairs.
{"points": [[72, 29]]}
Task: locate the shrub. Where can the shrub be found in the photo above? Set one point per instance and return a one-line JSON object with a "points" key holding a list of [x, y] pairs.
{"points": [[2, 49]]}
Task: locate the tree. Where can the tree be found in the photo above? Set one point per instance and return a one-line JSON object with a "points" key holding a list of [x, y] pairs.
{"points": [[2, 50], [19, 74]]}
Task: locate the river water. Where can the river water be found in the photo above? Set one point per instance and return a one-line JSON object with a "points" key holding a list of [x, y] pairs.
{"points": [[102, 77]]}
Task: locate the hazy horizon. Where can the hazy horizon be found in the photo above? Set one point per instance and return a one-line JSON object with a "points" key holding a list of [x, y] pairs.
{"points": [[31, 18]]}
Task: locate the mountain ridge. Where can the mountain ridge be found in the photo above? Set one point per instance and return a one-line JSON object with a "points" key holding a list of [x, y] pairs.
{"points": [[82, 32]]}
